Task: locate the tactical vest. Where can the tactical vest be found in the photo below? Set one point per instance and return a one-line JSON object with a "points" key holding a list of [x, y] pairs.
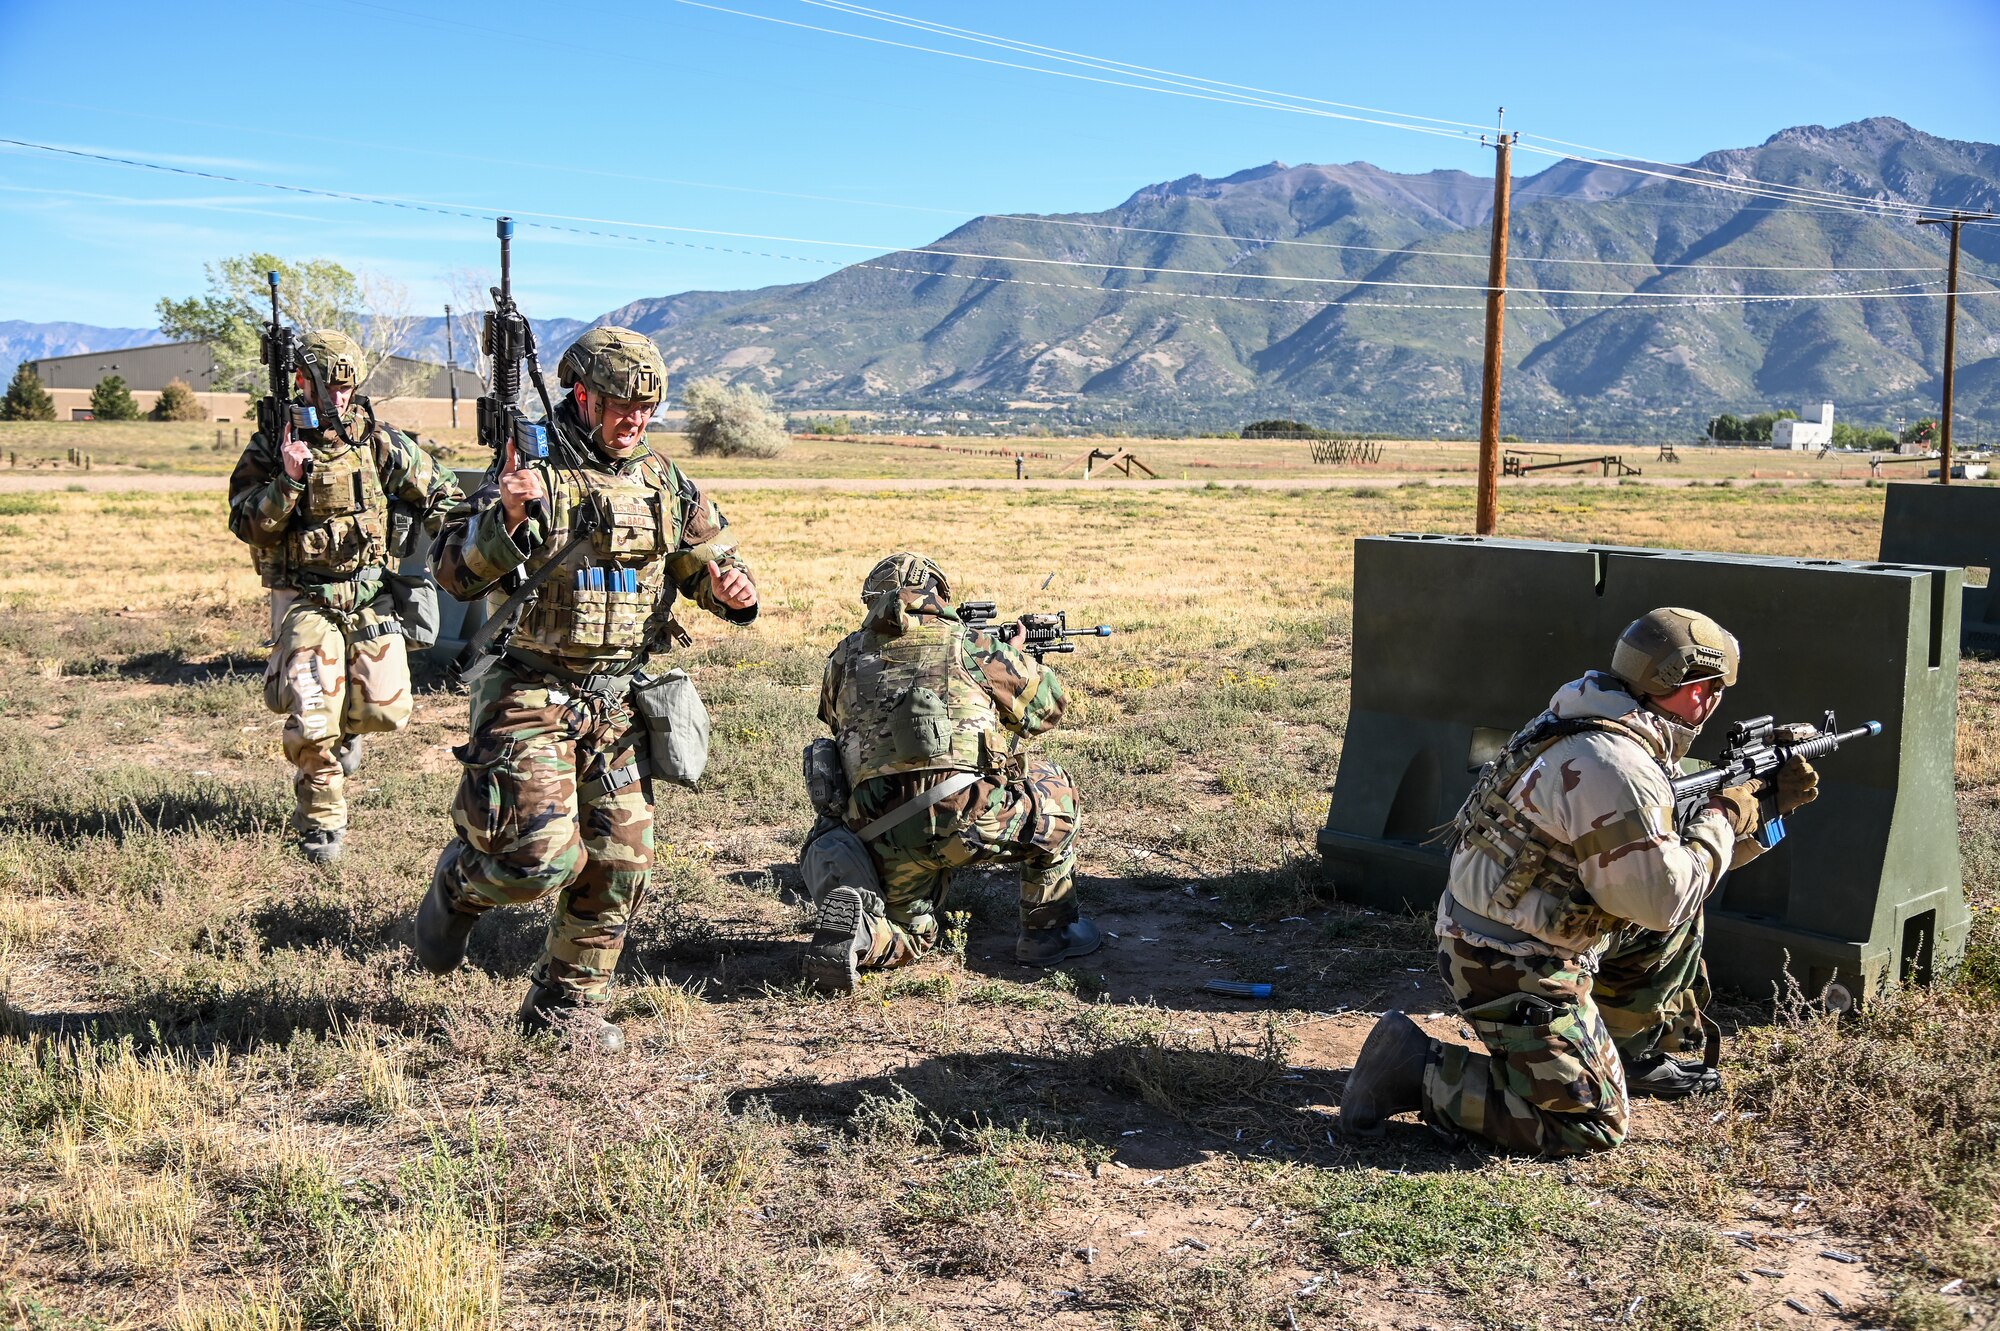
{"points": [[1539, 890], [908, 704], [339, 529], [593, 616]]}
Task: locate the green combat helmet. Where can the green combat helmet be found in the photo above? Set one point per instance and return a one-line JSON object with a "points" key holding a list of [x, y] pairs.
{"points": [[615, 362], [337, 355], [1666, 648], [905, 568]]}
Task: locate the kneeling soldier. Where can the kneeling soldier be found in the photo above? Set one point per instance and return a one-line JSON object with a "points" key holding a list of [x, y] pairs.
{"points": [[319, 507], [1570, 930], [926, 712], [556, 795]]}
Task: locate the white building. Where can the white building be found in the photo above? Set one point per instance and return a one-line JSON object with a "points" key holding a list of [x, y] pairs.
{"points": [[1801, 435]]}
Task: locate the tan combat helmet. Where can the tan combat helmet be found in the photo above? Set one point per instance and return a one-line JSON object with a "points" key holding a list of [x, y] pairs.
{"points": [[905, 568], [1666, 648], [337, 356], [615, 362]]}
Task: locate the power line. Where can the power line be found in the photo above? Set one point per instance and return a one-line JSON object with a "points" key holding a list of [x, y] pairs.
{"points": [[1443, 254], [555, 222], [1722, 175], [1263, 103], [1106, 63]]}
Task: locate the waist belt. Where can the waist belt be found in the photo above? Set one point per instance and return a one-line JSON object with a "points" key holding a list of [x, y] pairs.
{"points": [[609, 684], [1468, 918], [910, 808]]}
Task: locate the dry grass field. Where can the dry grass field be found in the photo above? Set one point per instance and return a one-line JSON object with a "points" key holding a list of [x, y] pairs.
{"points": [[190, 449], [230, 1102]]}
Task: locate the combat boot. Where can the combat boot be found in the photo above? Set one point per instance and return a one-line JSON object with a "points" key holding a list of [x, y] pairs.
{"points": [[1046, 947], [840, 939], [349, 755], [1663, 1077], [549, 1007], [441, 931], [1388, 1076], [322, 845]]}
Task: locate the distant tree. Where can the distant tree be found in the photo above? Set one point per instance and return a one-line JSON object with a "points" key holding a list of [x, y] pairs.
{"points": [[112, 401], [1280, 426], [1923, 432], [318, 293], [178, 403], [1846, 435], [26, 399], [732, 421], [1726, 429]]}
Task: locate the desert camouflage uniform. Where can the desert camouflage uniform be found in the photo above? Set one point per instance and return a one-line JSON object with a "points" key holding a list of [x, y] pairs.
{"points": [[553, 797], [338, 665], [1021, 811], [1563, 967]]}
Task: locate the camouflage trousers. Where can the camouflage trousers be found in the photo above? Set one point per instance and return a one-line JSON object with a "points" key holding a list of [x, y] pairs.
{"points": [[1552, 1081], [1029, 820], [332, 675], [549, 802]]}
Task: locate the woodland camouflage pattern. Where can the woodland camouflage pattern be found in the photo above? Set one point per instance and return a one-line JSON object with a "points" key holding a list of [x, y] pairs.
{"points": [[337, 666], [1597, 955], [1553, 1082], [535, 818], [1022, 810], [533, 811]]}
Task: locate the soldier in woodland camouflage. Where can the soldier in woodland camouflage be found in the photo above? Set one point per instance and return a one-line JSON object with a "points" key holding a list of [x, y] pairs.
{"points": [[927, 713], [315, 508], [556, 794], [1570, 930]]}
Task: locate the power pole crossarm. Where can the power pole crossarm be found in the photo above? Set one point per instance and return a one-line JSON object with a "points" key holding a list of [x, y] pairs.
{"points": [[1488, 517]]}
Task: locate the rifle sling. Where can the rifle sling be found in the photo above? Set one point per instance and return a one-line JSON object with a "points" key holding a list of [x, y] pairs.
{"points": [[909, 809], [501, 620]]}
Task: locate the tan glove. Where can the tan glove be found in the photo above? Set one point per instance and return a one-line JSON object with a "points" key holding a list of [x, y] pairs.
{"points": [[1796, 784], [1738, 804]]}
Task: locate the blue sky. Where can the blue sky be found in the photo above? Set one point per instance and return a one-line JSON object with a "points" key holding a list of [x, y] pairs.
{"points": [[663, 114]]}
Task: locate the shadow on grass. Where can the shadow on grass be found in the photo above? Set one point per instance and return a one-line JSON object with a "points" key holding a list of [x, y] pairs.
{"points": [[215, 808], [1235, 1102]]}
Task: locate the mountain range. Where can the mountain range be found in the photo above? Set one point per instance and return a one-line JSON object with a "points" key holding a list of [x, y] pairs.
{"points": [[1073, 314]]}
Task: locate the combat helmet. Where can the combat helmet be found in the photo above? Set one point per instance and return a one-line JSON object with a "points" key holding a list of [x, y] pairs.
{"points": [[336, 355], [616, 362], [905, 568], [1666, 648]]}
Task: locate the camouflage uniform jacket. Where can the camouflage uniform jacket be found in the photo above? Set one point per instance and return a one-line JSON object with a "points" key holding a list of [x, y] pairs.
{"points": [[994, 693], [1601, 802], [327, 533], [654, 536]]}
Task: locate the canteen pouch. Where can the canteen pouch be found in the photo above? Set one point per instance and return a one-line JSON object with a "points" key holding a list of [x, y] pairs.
{"points": [[826, 783], [676, 725]]}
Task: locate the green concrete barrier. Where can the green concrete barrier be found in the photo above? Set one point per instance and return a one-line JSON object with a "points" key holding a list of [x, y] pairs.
{"points": [[1950, 524], [1459, 641]]}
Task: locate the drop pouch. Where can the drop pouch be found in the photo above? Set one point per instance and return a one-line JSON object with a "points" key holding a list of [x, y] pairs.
{"points": [[417, 606], [676, 725]]}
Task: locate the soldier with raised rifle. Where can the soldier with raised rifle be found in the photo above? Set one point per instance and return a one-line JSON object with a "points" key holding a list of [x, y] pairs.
{"points": [[1570, 931], [325, 495], [585, 554], [924, 776]]}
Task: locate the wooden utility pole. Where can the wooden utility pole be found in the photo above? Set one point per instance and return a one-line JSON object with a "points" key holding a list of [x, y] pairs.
{"points": [[1488, 520], [1950, 332]]}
